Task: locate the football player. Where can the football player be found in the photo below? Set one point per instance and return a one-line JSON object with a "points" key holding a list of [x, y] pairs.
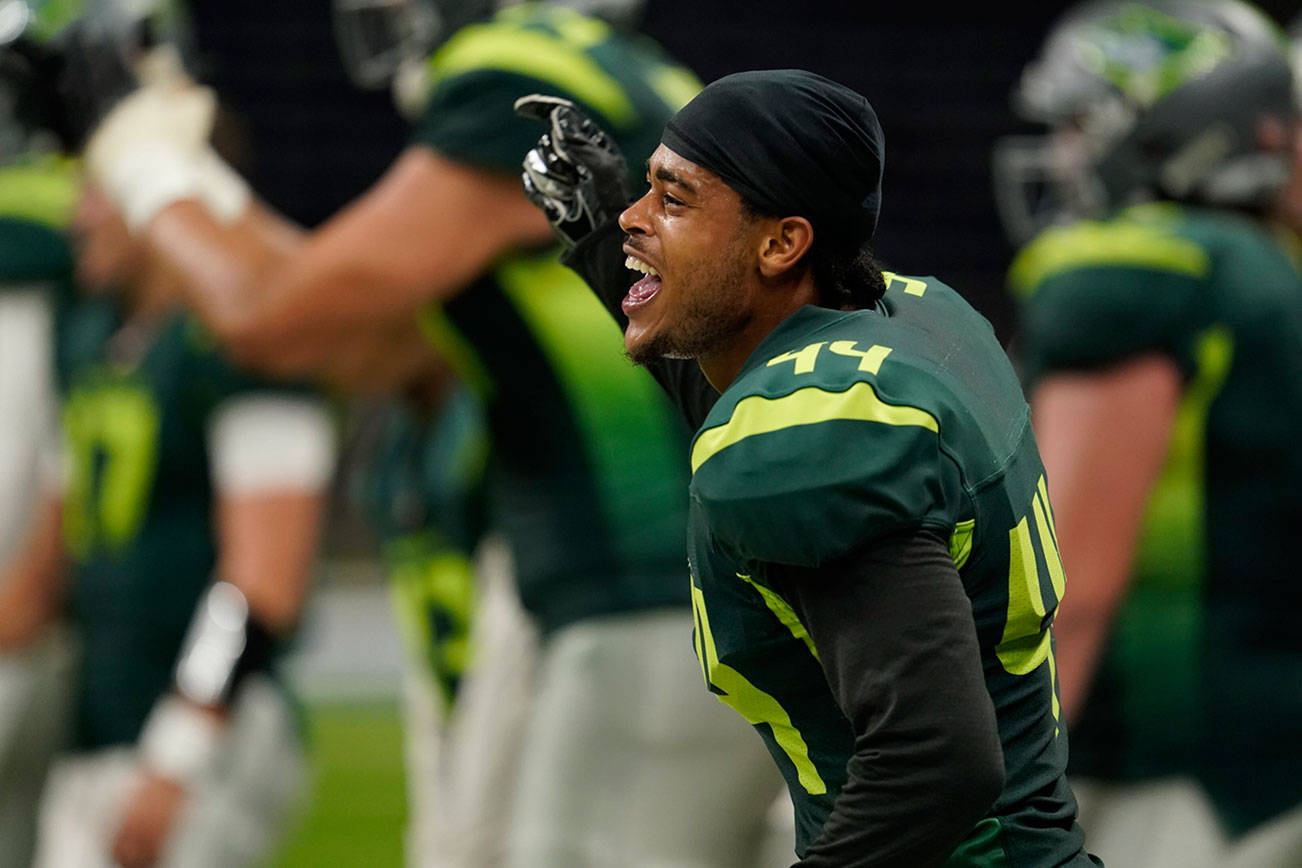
{"points": [[417, 473], [622, 760], [874, 566], [183, 750], [37, 191], [179, 543], [1161, 344]]}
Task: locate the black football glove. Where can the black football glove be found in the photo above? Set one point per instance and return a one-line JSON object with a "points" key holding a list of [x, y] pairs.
{"points": [[576, 173]]}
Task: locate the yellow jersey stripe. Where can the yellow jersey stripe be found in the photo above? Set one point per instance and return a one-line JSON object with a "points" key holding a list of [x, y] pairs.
{"points": [[1024, 645], [960, 542], [783, 612], [41, 191], [508, 48], [754, 704], [809, 406], [1103, 244]]}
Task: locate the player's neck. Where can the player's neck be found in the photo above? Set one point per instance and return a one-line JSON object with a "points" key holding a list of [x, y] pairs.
{"points": [[722, 364]]}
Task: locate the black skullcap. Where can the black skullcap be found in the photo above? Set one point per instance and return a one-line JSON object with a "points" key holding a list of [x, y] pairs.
{"points": [[793, 143]]}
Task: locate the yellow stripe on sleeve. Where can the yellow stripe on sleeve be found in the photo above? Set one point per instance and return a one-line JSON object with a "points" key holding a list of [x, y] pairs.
{"points": [[42, 191], [509, 48], [809, 406], [1105, 244]]}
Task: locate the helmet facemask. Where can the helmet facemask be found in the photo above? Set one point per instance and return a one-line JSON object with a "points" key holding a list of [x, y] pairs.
{"points": [[376, 37], [64, 65], [1045, 180], [1171, 95]]}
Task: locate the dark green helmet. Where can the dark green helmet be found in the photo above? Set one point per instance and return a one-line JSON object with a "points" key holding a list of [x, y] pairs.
{"points": [[32, 115], [385, 43], [63, 63], [376, 37], [1168, 99]]}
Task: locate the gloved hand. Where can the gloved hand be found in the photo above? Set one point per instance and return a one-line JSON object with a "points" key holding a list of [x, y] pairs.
{"points": [[152, 150], [576, 173]]}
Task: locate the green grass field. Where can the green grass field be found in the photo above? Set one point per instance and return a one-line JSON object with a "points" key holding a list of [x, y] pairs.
{"points": [[358, 808]]}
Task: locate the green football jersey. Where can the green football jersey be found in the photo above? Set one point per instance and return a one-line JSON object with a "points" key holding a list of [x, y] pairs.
{"points": [[138, 506], [37, 196], [586, 473], [421, 486], [843, 428], [1202, 672]]}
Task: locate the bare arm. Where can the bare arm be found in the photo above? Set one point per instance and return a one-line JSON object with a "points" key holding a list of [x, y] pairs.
{"points": [[31, 590], [1103, 437], [384, 360], [281, 300], [266, 543]]}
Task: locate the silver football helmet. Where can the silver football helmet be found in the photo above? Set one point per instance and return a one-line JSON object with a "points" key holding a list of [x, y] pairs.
{"points": [[1162, 99]]}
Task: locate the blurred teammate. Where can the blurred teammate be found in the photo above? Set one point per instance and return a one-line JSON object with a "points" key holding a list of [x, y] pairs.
{"points": [[1162, 348], [623, 760], [874, 569], [34, 269], [180, 544], [37, 192], [418, 475]]}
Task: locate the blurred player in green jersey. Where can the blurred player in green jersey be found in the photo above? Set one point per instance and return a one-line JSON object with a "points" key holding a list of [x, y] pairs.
{"points": [[36, 197], [38, 187], [37, 192], [417, 464], [1161, 344], [874, 566], [622, 759], [169, 476], [178, 470]]}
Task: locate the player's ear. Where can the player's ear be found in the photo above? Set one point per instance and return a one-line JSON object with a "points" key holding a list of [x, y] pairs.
{"points": [[783, 243]]}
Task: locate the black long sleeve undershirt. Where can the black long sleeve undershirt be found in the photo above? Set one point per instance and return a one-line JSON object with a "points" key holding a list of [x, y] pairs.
{"points": [[896, 640]]}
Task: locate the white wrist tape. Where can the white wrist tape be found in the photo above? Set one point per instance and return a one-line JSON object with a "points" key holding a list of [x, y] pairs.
{"points": [[217, 639], [266, 442], [149, 177], [221, 189], [180, 741]]}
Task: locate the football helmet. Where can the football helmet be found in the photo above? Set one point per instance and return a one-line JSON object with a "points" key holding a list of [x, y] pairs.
{"points": [[1154, 100], [63, 64], [30, 117], [385, 43], [377, 37]]}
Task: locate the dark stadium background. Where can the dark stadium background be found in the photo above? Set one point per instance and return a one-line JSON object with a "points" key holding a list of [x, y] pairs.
{"points": [[938, 75]]}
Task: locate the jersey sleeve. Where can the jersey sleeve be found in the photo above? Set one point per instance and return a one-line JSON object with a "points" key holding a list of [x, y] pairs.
{"points": [[1099, 294], [31, 253], [629, 87], [37, 198], [815, 475], [470, 118]]}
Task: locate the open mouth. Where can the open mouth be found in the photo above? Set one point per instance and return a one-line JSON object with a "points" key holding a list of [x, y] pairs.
{"points": [[645, 289]]}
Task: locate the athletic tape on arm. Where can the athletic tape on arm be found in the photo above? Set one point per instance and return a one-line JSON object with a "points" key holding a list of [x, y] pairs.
{"points": [[268, 442]]}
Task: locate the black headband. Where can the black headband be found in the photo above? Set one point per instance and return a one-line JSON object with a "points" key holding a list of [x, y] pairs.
{"points": [[791, 142]]}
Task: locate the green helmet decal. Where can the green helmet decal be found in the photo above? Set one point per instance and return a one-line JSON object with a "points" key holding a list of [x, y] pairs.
{"points": [[1146, 53], [49, 18]]}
